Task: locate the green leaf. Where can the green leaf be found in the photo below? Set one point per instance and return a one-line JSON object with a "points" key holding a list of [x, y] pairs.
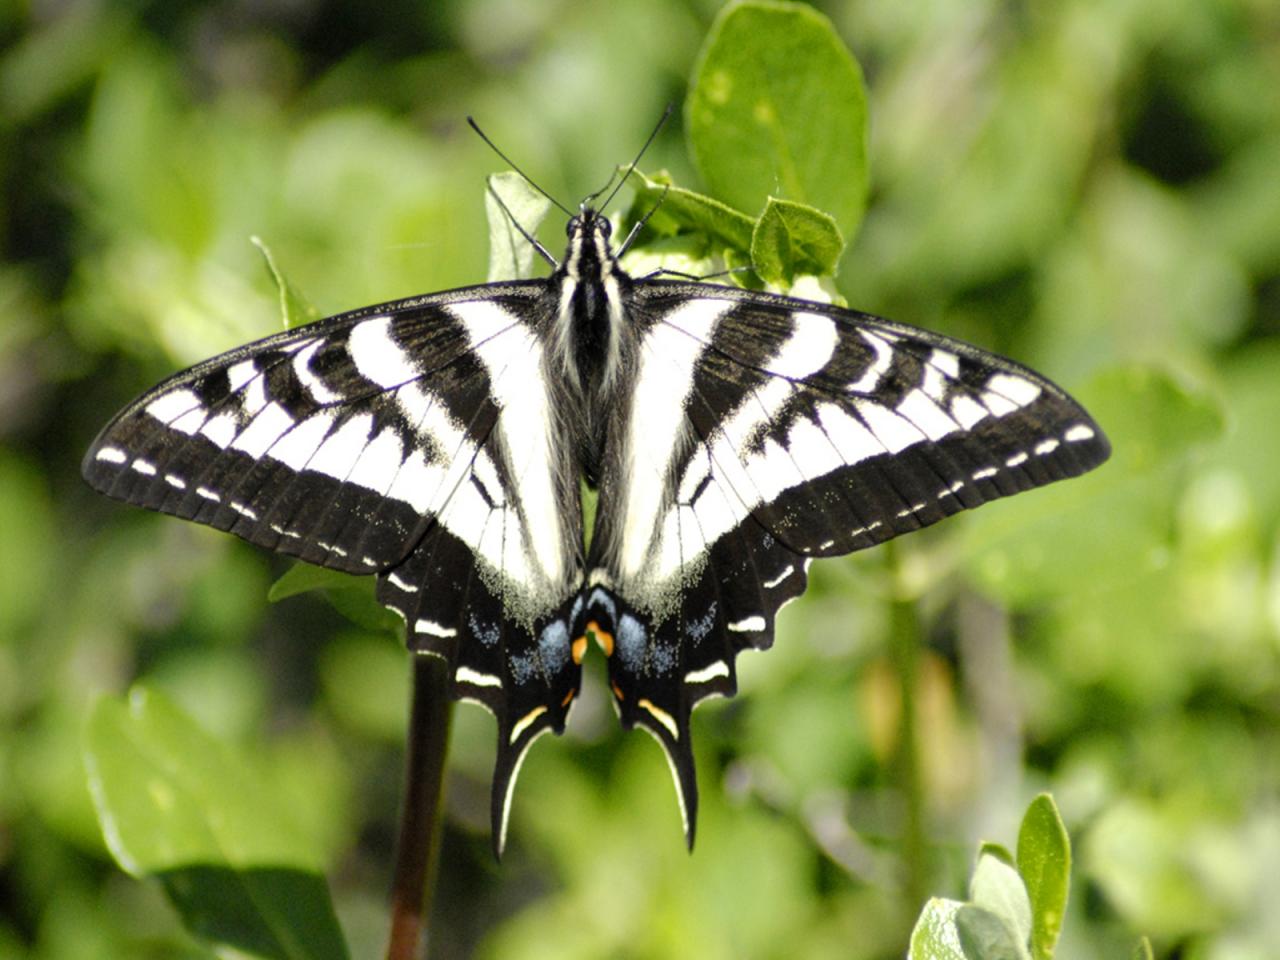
{"points": [[180, 806], [778, 108], [1044, 861], [996, 886], [679, 210], [350, 595], [688, 254], [295, 309], [997, 850], [790, 239], [984, 935], [934, 935], [1142, 951], [589, 499], [305, 578], [512, 200]]}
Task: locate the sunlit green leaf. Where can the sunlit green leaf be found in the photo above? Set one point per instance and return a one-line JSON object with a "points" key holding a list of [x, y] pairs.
{"points": [[1044, 862], [996, 887], [677, 209], [989, 849], [185, 809], [935, 936], [792, 238], [778, 109]]}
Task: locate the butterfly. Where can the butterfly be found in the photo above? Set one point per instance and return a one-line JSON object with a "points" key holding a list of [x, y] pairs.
{"points": [[441, 443]]}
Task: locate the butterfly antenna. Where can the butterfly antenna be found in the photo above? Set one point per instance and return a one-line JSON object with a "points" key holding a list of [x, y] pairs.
{"points": [[662, 122], [591, 197], [509, 162], [639, 224], [533, 241]]}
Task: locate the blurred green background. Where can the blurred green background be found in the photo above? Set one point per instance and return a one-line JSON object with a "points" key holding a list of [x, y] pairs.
{"points": [[1091, 187]]}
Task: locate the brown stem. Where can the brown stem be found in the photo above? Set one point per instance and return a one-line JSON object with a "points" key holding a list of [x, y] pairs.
{"points": [[420, 811]]}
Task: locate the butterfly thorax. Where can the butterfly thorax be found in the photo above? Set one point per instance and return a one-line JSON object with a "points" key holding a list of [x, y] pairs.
{"points": [[591, 337], [591, 289]]}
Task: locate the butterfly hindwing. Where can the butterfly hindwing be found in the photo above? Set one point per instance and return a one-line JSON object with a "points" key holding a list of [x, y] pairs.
{"points": [[663, 663], [522, 672]]}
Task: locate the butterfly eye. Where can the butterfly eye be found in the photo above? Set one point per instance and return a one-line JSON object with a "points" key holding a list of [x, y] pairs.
{"points": [[571, 227], [606, 227]]}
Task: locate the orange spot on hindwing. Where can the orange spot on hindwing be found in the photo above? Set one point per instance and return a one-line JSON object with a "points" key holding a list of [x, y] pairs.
{"points": [[605, 640]]}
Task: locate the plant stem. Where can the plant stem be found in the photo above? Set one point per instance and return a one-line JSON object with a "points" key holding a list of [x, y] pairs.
{"points": [[421, 811]]}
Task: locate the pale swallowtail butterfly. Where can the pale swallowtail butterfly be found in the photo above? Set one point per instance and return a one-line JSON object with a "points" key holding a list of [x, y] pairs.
{"points": [[733, 436]]}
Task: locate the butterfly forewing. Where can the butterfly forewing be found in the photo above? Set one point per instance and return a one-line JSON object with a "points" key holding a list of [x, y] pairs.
{"points": [[837, 430]]}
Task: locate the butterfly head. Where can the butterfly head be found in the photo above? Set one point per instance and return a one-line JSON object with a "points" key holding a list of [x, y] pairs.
{"points": [[587, 222], [589, 256]]}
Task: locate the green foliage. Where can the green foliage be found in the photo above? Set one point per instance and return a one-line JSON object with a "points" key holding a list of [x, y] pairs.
{"points": [[791, 238], [179, 806], [1089, 188], [352, 596], [295, 309], [512, 200], [767, 71], [676, 210], [1014, 911], [1044, 863]]}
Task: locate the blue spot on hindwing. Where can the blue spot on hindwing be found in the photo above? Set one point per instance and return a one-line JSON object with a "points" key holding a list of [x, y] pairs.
{"points": [[662, 657], [486, 633], [630, 642], [698, 629], [553, 645], [601, 596], [524, 666]]}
